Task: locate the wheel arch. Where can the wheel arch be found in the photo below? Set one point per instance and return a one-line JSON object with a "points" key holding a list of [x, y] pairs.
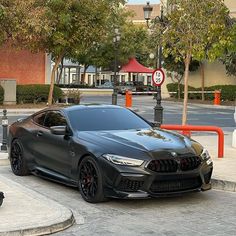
{"points": [[80, 160]]}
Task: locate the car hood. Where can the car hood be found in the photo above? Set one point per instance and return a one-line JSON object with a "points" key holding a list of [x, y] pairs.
{"points": [[146, 140]]}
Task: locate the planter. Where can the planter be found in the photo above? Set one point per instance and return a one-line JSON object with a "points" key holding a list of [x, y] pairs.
{"points": [[1, 198]]}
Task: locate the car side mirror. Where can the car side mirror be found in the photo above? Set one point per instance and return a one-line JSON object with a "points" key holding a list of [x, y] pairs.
{"points": [[58, 130]]}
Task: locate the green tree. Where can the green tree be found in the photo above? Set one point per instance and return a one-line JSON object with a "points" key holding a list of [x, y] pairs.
{"points": [[229, 57], [2, 33], [102, 53], [176, 70], [57, 26], [191, 28]]}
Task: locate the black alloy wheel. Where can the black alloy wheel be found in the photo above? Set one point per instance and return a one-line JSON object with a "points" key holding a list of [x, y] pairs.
{"points": [[17, 160], [90, 181]]}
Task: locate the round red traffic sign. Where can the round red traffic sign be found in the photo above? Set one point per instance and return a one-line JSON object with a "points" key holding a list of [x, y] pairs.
{"points": [[158, 77]]}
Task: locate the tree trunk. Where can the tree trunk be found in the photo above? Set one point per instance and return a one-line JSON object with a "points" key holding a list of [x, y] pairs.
{"points": [[60, 74], [96, 77], [179, 95], [85, 70], [186, 74], [57, 62], [203, 80]]}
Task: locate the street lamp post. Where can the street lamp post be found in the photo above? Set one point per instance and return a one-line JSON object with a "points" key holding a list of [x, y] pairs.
{"points": [[158, 109], [116, 40]]}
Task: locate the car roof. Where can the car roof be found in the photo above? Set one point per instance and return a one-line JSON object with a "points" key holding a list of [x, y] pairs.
{"points": [[90, 106], [79, 107]]}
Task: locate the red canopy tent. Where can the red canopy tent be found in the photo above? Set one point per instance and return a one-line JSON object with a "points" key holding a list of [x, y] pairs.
{"points": [[133, 66]]}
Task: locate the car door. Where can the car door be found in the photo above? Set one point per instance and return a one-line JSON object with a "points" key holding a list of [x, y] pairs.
{"points": [[53, 151]]}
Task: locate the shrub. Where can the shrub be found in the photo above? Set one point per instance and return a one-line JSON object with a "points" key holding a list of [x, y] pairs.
{"points": [[35, 93], [75, 86], [228, 92], [1, 94], [74, 96], [173, 87]]}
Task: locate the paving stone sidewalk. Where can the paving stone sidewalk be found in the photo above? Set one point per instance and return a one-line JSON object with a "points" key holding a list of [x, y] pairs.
{"points": [[25, 212], [21, 204], [224, 173]]}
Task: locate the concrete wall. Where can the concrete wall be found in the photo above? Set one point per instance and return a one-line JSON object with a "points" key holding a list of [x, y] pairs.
{"points": [[25, 67], [215, 74], [48, 68], [231, 4]]}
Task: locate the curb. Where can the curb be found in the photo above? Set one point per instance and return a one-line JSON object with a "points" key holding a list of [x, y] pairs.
{"points": [[44, 230], [4, 161], [61, 220], [22, 111], [223, 185], [203, 105]]}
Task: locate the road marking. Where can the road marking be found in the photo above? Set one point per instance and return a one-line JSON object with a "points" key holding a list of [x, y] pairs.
{"points": [[222, 118]]}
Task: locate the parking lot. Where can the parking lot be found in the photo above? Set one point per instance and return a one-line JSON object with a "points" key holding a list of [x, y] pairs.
{"points": [[206, 213]]}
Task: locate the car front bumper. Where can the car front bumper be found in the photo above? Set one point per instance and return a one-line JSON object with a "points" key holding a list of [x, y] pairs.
{"points": [[138, 182]]}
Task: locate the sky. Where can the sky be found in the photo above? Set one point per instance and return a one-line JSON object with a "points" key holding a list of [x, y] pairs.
{"points": [[143, 1]]}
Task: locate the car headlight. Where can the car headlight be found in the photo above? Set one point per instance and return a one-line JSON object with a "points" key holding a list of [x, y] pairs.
{"points": [[121, 160], [206, 156]]}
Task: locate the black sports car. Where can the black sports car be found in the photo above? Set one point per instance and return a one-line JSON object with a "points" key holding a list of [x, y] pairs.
{"points": [[107, 151]]}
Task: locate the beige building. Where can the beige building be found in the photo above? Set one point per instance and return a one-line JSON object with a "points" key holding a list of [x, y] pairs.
{"points": [[231, 4], [215, 73]]}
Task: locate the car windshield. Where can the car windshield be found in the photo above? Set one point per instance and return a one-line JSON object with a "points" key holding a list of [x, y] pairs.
{"points": [[95, 119]]}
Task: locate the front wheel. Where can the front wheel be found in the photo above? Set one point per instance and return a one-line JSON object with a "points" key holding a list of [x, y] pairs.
{"points": [[90, 181], [17, 159]]}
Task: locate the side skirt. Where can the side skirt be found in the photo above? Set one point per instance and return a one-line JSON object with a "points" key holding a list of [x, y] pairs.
{"points": [[56, 177]]}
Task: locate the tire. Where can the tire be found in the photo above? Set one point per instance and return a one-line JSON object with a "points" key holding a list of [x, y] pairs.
{"points": [[17, 159], [90, 181]]}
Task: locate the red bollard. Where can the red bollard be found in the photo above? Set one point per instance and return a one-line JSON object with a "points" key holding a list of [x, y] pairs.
{"points": [[128, 98], [217, 97]]}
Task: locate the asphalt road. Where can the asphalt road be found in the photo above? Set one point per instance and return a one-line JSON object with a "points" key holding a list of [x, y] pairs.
{"points": [[172, 114], [206, 213]]}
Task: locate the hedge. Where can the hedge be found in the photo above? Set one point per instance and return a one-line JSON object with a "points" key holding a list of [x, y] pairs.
{"points": [[35, 93], [1, 94], [228, 92], [173, 87], [75, 86]]}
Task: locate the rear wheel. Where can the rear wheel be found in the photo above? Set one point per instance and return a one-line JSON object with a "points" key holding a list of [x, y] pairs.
{"points": [[90, 181], [17, 159]]}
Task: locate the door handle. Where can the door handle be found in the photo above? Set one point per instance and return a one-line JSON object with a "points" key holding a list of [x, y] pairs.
{"points": [[40, 133]]}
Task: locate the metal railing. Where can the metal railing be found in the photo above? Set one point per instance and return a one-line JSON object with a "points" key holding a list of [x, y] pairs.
{"points": [[216, 129]]}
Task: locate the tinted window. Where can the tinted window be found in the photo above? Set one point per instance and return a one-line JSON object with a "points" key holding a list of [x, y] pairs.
{"points": [[54, 118], [39, 119], [105, 119]]}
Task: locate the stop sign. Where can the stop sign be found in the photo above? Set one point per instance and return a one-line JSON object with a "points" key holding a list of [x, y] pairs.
{"points": [[158, 77]]}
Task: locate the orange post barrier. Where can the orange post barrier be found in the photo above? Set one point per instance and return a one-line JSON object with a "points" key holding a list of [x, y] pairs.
{"points": [[216, 129], [217, 97], [128, 98], [186, 133]]}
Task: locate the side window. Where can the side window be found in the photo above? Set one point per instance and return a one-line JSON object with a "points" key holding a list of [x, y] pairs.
{"points": [[39, 118], [54, 118]]}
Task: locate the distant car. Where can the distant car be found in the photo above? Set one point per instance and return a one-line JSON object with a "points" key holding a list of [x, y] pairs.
{"points": [[107, 151], [123, 87], [106, 85]]}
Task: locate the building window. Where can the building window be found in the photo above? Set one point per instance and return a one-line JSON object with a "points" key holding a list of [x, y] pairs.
{"points": [[122, 78], [89, 79]]}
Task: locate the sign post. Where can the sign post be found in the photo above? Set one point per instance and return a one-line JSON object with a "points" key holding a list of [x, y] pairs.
{"points": [[158, 78]]}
